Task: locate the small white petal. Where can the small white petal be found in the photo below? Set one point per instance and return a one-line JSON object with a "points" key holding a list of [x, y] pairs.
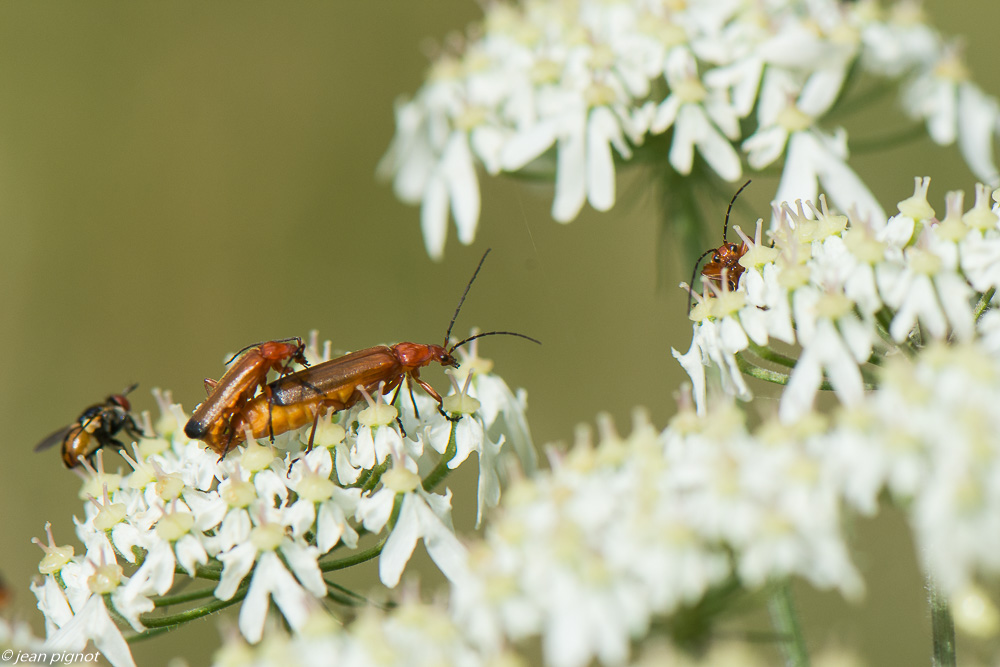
{"points": [[571, 189], [401, 542]]}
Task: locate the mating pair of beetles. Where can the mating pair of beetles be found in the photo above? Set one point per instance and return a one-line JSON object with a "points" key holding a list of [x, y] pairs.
{"points": [[296, 399], [293, 400]]}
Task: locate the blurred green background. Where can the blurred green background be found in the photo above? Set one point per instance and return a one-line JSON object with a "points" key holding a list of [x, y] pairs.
{"points": [[178, 180]]}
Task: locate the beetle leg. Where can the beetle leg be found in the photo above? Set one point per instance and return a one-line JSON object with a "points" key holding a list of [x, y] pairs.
{"points": [[436, 396], [413, 400], [270, 411], [402, 429]]}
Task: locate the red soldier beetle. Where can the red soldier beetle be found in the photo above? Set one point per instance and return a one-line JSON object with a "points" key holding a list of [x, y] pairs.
{"points": [[96, 427], [725, 258], [248, 369], [300, 398]]}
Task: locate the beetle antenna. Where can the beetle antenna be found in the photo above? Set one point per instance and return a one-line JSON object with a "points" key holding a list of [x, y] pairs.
{"points": [[725, 227], [694, 274], [465, 294], [491, 333]]}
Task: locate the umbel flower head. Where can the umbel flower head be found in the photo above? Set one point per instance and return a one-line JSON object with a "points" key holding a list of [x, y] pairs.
{"points": [[849, 292], [563, 89], [267, 523], [897, 319]]}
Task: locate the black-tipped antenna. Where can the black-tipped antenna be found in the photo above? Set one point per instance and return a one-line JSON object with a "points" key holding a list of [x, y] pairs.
{"points": [[725, 227], [464, 294], [491, 333], [694, 275]]}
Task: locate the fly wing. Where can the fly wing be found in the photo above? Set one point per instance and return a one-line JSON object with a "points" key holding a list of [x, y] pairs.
{"points": [[54, 438]]}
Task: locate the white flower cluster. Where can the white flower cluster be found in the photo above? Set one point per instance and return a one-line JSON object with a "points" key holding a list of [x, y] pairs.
{"points": [[930, 435], [618, 533], [897, 320], [410, 634], [850, 294], [589, 79], [266, 522]]}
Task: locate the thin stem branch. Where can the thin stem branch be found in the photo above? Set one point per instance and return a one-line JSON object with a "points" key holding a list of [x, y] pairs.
{"points": [[180, 598], [354, 559], [767, 354], [210, 572], [984, 302], [751, 369], [785, 622], [357, 597], [375, 476], [755, 371], [148, 634], [942, 628], [151, 621]]}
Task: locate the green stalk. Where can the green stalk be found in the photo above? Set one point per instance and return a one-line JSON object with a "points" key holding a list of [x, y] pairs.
{"points": [[984, 302], [767, 354], [344, 600], [942, 628], [191, 614], [357, 597], [785, 622], [210, 572], [180, 598], [354, 559], [376, 475], [775, 377], [148, 634], [755, 371]]}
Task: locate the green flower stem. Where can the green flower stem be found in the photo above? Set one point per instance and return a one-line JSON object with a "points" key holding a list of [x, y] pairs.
{"points": [[116, 615], [180, 598], [775, 377], [354, 559], [210, 572], [192, 614], [786, 623], [942, 628], [341, 599], [361, 480], [357, 598], [767, 354], [755, 371], [984, 302], [375, 476], [441, 470], [148, 634]]}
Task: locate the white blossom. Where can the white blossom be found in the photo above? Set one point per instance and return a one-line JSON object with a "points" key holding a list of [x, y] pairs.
{"points": [[571, 91]]}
